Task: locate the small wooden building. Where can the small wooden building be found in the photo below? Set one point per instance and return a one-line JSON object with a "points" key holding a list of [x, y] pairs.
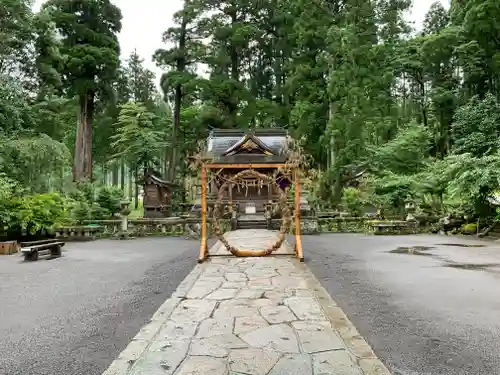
{"points": [[157, 195]]}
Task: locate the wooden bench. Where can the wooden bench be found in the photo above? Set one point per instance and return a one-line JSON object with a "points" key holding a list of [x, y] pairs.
{"points": [[389, 227], [30, 250]]}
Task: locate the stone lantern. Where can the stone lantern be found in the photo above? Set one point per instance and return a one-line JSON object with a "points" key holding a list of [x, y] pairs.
{"points": [[410, 210], [124, 212]]}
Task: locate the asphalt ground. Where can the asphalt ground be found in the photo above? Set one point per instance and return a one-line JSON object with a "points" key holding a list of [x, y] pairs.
{"points": [[433, 312], [436, 312], [73, 315]]}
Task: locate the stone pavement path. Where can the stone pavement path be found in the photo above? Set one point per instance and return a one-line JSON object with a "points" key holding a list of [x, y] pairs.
{"points": [[256, 316]]}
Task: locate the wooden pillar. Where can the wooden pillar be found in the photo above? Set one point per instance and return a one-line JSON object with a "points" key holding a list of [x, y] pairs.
{"points": [[203, 246], [298, 239]]}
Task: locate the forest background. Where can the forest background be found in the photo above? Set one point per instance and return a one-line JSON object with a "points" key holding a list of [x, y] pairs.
{"points": [[385, 113]]}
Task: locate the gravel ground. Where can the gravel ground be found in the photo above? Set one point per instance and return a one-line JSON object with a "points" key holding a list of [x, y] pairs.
{"points": [[73, 315], [422, 314]]}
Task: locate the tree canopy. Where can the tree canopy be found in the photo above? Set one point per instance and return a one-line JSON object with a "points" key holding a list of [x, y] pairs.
{"points": [[379, 106]]}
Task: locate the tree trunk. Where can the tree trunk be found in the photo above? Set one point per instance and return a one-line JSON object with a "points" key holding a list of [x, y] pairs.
{"points": [[235, 71], [175, 133], [130, 183], [122, 175], [166, 163], [181, 67], [114, 174], [82, 167], [136, 188], [105, 174]]}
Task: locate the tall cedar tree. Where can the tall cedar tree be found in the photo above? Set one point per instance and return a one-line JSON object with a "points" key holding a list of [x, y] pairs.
{"points": [[140, 81], [179, 80], [90, 51]]}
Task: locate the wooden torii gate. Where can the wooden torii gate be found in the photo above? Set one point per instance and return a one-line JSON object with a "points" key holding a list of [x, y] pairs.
{"points": [[260, 160]]}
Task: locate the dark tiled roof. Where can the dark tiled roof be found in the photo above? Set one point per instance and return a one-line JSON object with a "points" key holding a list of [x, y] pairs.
{"points": [[249, 159], [220, 140], [151, 178], [258, 132]]}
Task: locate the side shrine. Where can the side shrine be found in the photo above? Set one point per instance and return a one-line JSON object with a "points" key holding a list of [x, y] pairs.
{"points": [[248, 176], [157, 195]]}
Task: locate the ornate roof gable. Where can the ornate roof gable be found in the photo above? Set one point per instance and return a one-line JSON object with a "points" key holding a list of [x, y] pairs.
{"points": [[249, 143]]}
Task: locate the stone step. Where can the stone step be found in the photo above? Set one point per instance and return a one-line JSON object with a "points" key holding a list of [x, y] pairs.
{"points": [[252, 224]]}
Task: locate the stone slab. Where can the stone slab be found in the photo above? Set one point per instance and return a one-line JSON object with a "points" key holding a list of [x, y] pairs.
{"points": [[216, 346], [164, 361], [253, 361], [215, 327], [277, 314], [203, 366], [249, 323], [305, 308], [279, 337], [338, 362], [293, 364]]}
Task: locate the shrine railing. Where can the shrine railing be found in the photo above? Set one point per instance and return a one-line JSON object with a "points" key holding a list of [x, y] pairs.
{"points": [[189, 226], [173, 226]]}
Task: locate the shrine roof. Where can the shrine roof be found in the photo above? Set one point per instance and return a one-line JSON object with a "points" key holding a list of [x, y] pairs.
{"points": [[152, 179], [249, 159], [227, 145]]}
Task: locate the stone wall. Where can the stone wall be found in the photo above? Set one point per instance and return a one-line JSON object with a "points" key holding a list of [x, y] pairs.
{"points": [[190, 226], [177, 226]]}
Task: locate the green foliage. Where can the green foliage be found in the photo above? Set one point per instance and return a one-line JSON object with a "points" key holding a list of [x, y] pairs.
{"points": [[87, 62], [353, 200], [89, 201], [55, 116], [474, 176], [80, 211], [405, 153], [393, 190], [31, 213], [470, 228], [394, 113], [16, 33], [42, 211], [9, 203], [88, 66], [38, 162], [476, 129], [109, 199], [14, 109], [136, 140]]}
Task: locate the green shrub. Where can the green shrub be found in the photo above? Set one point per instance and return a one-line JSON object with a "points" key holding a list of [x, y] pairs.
{"points": [[31, 213], [41, 212], [109, 198], [99, 213], [80, 211], [470, 228], [90, 202], [9, 203], [352, 201]]}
